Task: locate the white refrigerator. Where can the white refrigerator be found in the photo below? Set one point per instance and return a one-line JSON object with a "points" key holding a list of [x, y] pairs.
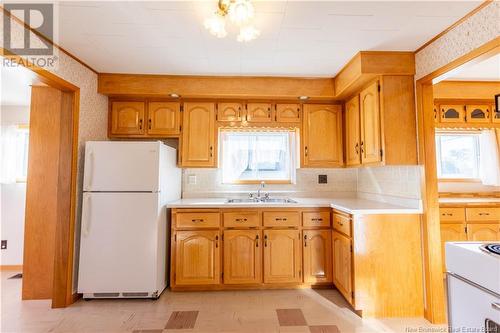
{"points": [[125, 226]]}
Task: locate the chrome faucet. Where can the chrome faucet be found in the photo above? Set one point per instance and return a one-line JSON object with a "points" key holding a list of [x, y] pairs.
{"points": [[261, 187]]}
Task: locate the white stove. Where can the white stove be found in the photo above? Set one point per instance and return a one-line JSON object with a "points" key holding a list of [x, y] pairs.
{"points": [[473, 281]]}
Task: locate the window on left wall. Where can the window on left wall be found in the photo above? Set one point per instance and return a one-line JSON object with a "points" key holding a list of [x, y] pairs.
{"points": [[14, 154]]}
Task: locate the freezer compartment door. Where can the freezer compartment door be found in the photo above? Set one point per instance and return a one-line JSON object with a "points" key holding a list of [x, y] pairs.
{"points": [[122, 166], [119, 243]]}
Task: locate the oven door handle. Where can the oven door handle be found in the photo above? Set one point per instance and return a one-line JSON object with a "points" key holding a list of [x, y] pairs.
{"points": [[495, 306]]}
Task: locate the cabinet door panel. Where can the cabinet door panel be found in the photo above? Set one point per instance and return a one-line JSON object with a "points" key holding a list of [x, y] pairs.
{"points": [[317, 248], [288, 113], [452, 113], [164, 118], [342, 265], [242, 256], [478, 113], [197, 260], [371, 135], [282, 256], [483, 232], [127, 118], [451, 233], [322, 142], [198, 137], [352, 132], [259, 112], [229, 111]]}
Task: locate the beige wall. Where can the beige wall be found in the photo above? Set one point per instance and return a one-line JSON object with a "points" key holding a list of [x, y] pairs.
{"points": [[93, 111]]}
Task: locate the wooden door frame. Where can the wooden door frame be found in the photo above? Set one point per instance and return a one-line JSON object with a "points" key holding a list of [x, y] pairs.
{"points": [[62, 290], [434, 285]]}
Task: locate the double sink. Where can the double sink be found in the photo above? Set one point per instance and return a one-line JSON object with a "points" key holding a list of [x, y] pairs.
{"points": [[262, 200]]}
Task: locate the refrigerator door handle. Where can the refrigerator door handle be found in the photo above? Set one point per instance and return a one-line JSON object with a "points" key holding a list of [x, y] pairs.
{"points": [[90, 169], [86, 217]]}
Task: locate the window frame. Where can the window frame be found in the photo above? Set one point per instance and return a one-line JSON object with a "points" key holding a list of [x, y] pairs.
{"points": [[293, 149], [476, 179]]}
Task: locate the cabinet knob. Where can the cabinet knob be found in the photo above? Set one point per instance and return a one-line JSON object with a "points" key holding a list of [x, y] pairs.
{"points": [[140, 124], [211, 151], [306, 151], [149, 123]]}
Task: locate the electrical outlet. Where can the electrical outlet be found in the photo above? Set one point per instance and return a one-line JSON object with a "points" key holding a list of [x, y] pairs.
{"points": [[322, 179], [4, 244]]}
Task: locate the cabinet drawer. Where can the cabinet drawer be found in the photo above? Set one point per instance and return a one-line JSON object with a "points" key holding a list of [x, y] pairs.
{"points": [[281, 219], [316, 219], [452, 214], [241, 219], [342, 224], [198, 220], [483, 214]]}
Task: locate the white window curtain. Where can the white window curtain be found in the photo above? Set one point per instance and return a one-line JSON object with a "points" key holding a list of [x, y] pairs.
{"points": [[489, 158], [13, 153], [8, 155]]}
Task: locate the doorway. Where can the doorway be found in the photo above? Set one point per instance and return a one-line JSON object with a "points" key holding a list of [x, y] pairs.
{"points": [[429, 124], [50, 184]]}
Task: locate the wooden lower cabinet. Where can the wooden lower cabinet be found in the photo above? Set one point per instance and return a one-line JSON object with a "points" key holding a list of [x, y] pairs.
{"points": [[282, 256], [197, 260], [242, 256], [342, 267], [483, 231], [451, 232], [317, 252]]}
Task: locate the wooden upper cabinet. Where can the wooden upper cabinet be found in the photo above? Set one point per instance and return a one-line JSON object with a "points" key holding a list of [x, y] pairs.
{"points": [[317, 249], [322, 136], [127, 118], [352, 132], [342, 265], [164, 118], [451, 232], [197, 259], [478, 113], [242, 257], [288, 113], [229, 111], [371, 136], [198, 135], [452, 113], [259, 112], [282, 256], [483, 232]]}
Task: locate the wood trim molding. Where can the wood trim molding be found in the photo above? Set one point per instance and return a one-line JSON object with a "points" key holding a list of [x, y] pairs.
{"points": [[215, 87], [42, 36], [460, 21], [11, 268]]}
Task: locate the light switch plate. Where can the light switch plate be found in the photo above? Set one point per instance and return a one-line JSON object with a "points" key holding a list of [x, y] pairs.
{"points": [[192, 179]]}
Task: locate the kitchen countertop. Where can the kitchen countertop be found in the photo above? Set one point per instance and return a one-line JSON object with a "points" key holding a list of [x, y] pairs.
{"points": [[469, 202], [353, 206]]}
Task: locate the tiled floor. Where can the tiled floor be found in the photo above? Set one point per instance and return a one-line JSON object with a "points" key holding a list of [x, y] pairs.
{"points": [[302, 310]]}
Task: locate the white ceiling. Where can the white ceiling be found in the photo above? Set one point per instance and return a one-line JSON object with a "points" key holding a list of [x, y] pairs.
{"points": [[298, 38], [15, 85], [487, 70]]}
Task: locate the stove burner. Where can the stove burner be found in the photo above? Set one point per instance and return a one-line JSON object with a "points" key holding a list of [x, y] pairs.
{"points": [[492, 248]]}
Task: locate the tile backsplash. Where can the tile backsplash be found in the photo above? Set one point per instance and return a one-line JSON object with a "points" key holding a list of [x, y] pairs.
{"points": [[396, 184], [208, 183]]}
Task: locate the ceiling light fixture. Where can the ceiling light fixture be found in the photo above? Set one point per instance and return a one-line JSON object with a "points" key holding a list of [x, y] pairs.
{"points": [[240, 12]]}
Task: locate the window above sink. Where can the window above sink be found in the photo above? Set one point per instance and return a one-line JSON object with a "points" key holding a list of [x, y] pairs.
{"points": [[249, 157]]}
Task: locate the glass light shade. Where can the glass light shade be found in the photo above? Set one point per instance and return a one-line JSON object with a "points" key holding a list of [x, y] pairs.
{"points": [[216, 24], [247, 34], [241, 11]]}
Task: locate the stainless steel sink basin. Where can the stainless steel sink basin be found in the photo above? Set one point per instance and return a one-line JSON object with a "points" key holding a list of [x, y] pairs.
{"points": [[262, 200]]}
